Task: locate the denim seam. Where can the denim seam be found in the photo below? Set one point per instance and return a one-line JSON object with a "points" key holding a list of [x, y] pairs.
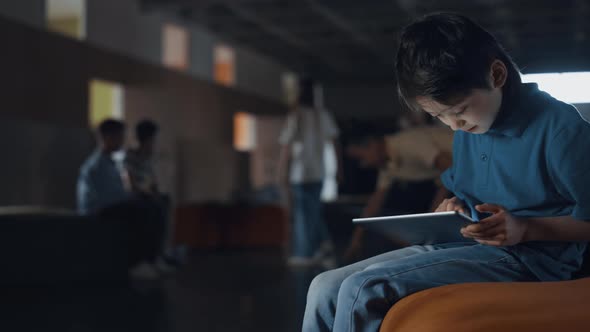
{"points": [[390, 275], [506, 259], [406, 271]]}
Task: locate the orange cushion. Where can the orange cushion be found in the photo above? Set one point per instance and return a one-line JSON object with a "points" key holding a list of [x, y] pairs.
{"points": [[214, 226], [494, 307]]}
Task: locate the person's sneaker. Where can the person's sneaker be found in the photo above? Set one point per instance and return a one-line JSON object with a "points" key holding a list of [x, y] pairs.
{"points": [[298, 261], [326, 249], [176, 256], [163, 266], [329, 263], [144, 271]]}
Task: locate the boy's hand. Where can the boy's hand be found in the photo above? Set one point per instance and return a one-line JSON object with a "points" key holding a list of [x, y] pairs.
{"points": [[500, 229], [451, 204]]}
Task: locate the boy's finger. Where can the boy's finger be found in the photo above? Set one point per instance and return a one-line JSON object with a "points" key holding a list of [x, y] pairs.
{"points": [[497, 217], [453, 207], [498, 239], [461, 210], [493, 208], [484, 224], [494, 243], [489, 233], [450, 205]]}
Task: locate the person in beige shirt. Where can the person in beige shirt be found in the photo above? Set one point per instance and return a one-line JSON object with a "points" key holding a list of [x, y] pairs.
{"points": [[409, 163]]}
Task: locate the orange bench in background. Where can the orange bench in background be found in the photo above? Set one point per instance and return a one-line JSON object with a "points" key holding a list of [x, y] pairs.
{"points": [[223, 226]]}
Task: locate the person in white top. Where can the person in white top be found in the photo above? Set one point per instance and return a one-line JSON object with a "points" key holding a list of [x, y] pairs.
{"points": [[409, 163], [303, 139]]}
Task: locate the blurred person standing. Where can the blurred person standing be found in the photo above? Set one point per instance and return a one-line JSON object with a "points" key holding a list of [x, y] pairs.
{"points": [[303, 139]]}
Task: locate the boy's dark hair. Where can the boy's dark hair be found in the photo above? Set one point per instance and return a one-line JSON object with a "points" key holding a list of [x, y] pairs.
{"points": [[364, 133], [306, 95], [444, 56], [362, 138], [145, 130], [110, 127]]}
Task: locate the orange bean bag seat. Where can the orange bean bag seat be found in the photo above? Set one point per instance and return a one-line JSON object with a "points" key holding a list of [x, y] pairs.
{"points": [[494, 307]]}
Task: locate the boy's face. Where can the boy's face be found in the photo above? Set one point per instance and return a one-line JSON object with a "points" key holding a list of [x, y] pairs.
{"points": [[114, 142], [476, 112], [149, 144]]}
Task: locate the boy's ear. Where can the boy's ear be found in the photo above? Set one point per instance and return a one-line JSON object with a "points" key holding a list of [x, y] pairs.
{"points": [[498, 73]]}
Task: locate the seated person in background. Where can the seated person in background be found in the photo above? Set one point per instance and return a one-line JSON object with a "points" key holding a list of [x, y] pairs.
{"points": [[138, 162], [139, 167], [410, 163], [102, 191]]}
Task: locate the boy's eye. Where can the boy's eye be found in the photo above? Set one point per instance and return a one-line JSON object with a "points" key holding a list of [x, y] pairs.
{"points": [[461, 111]]}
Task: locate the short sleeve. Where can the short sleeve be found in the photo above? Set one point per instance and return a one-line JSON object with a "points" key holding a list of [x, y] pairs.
{"points": [[385, 177], [436, 140], [427, 152], [329, 127], [86, 191], [569, 167], [289, 130]]}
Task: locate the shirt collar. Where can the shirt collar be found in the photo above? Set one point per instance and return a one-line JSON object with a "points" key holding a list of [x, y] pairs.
{"points": [[101, 157], [513, 118]]}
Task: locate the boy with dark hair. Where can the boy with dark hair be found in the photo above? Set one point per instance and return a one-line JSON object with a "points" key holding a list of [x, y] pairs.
{"points": [[138, 162], [146, 130], [139, 165], [100, 184], [519, 155]]}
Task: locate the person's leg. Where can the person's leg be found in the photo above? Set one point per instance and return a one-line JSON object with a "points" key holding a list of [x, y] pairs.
{"points": [[319, 231], [174, 254], [146, 226], [153, 227], [164, 205], [131, 218], [365, 297], [323, 291], [300, 229]]}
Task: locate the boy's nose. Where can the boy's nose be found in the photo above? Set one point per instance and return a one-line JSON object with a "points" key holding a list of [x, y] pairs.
{"points": [[457, 124]]}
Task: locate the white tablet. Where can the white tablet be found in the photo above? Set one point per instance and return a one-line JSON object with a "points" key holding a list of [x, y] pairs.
{"points": [[422, 228]]}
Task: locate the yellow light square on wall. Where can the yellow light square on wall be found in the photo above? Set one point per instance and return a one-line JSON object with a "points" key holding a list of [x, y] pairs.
{"points": [[67, 17], [224, 65], [106, 101], [175, 44]]}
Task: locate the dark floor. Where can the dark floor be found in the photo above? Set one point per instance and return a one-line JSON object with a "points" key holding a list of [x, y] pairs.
{"points": [[221, 291], [216, 291]]}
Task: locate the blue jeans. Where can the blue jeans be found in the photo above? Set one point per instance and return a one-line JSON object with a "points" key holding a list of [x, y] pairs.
{"points": [[357, 297], [309, 230]]}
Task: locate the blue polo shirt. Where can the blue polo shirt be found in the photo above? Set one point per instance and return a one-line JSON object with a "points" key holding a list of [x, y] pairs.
{"points": [[533, 161], [99, 184]]}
